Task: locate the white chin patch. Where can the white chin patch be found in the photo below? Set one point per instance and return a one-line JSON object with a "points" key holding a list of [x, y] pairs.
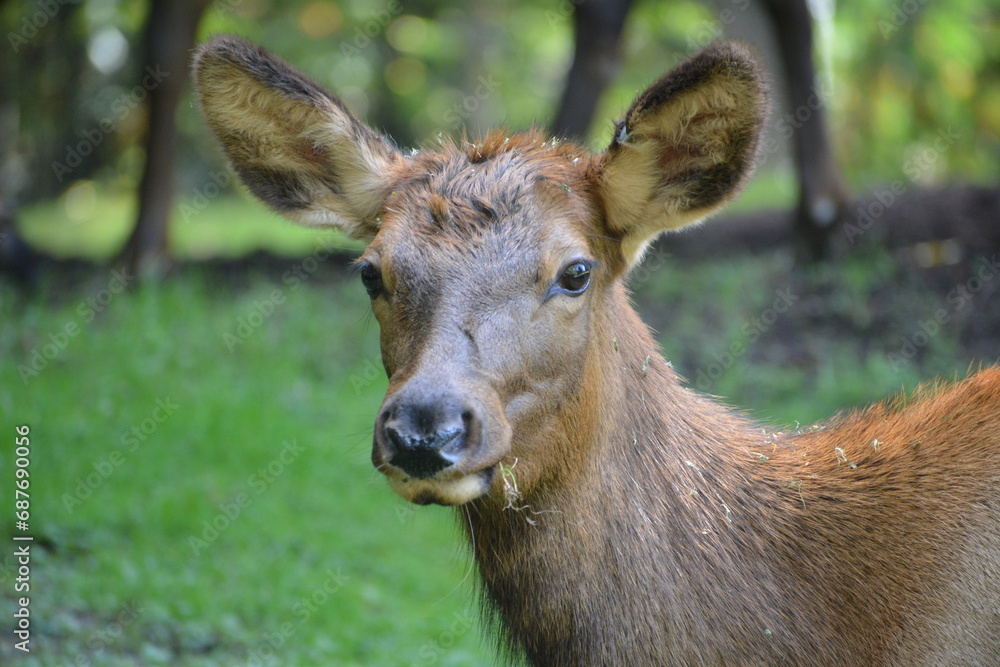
{"points": [[443, 492]]}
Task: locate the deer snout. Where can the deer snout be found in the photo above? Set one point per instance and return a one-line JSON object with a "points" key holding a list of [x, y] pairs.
{"points": [[438, 445], [423, 435], [423, 440]]}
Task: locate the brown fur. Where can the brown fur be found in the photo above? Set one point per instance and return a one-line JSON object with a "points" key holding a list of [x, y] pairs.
{"points": [[617, 517]]}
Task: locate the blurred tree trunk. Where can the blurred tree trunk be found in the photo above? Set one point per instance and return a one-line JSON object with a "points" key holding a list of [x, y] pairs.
{"points": [[822, 195], [17, 259], [168, 40], [597, 32]]}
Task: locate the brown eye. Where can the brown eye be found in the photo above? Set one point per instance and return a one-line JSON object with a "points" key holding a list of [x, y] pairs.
{"points": [[575, 279], [371, 278]]}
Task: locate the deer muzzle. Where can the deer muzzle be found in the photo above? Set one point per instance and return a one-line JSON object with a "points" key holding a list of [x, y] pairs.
{"points": [[437, 445]]}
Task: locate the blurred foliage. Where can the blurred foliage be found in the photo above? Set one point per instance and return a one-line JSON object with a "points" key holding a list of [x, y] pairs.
{"points": [[908, 76], [914, 92]]}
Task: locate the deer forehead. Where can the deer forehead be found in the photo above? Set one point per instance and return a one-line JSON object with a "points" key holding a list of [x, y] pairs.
{"points": [[506, 207]]}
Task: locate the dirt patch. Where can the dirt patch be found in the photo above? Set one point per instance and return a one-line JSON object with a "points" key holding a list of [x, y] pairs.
{"points": [[939, 250]]}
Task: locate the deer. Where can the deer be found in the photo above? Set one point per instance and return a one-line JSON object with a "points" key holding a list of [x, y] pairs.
{"points": [[615, 515]]}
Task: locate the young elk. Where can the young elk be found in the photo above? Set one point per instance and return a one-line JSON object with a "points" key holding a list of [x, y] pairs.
{"points": [[616, 516]]}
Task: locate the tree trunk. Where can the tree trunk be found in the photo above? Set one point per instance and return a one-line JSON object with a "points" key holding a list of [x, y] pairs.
{"points": [[597, 28], [822, 195], [169, 38]]}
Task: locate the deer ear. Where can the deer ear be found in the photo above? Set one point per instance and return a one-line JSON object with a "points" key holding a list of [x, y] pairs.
{"points": [[685, 147], [293, 144]]}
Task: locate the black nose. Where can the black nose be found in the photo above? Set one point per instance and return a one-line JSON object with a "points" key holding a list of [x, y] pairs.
{"points": [[423, 440]]}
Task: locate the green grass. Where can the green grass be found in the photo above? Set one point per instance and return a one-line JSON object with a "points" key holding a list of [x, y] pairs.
{"points": [[119, 511]]}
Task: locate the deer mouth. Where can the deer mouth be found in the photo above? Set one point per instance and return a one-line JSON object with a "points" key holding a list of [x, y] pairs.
{"points": [[453, 489], [438, 444]]}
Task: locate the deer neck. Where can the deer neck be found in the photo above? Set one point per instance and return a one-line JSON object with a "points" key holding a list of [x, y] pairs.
{"points": [[652, 480]]}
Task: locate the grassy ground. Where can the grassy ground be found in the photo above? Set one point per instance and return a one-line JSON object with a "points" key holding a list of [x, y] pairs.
{"points": [[205, 505], [201, 486]]}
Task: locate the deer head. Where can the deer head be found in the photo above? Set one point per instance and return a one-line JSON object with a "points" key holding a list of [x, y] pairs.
{"points": [[495, 268]]}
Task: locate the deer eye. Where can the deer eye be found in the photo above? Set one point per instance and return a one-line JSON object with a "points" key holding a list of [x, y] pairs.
{"points": [[371, 278], [575, 278]]}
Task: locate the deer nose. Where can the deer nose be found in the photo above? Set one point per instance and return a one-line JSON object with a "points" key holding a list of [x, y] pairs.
{"points": [[423, 440]]}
